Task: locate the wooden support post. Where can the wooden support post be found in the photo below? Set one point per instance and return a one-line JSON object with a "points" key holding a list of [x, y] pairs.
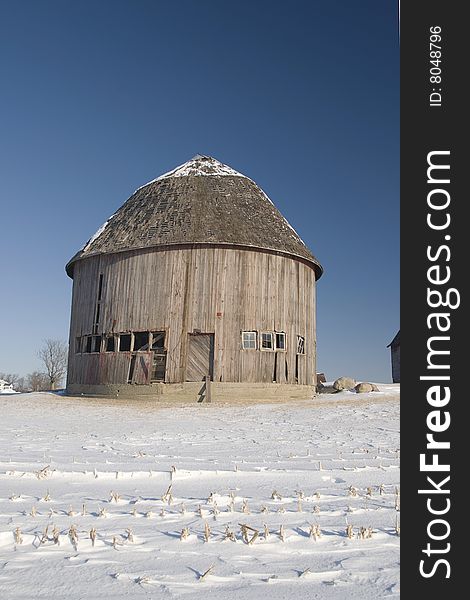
{"points": [[208, 388]]}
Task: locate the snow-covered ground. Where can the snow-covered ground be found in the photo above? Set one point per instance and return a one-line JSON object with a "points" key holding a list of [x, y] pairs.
{"points": [[63, 459]]}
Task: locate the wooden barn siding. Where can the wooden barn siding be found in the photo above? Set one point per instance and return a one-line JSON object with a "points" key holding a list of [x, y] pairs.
{"points": [[396, 364], [183, 290]]}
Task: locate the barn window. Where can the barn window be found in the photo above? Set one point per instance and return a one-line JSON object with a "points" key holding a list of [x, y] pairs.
{"points": [[78, 345], [88, 343], [141, 341], [96, 347], [280, 340], [249, 340], [300, 344], [110, 344], [158, 340], [125, 342], [267, 340]]}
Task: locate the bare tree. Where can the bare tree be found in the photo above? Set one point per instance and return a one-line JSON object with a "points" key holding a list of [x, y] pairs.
{"points": [[54, 356], [37, 382]]}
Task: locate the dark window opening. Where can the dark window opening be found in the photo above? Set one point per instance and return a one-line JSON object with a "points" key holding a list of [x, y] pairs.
{"points": [[125, 342], [96, 343], [158, 366], [100, 288], [158, 340], [267, 340], [297, 368], [275, 370], [88, 343], [131, 369], [97, 317], [110, 344], [141, 341], [78, 345], [280, 340]]}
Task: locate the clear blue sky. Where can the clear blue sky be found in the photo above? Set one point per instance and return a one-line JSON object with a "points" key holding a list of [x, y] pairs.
{"points": [[303, 97]]}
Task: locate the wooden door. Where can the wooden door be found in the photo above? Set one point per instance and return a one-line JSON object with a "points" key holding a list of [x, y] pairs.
{"points": [[200, 356]]}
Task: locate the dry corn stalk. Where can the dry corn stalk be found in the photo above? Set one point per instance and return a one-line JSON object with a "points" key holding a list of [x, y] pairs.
{"points": [[381, 489], [44, 472], [264, 509], [245, 508], [73, 535], [266, 531], [317, 495], [114, 497], [281, 533], [316, 509], [397, 526], [207, 532], [199, 511], [83, 510], [93, 536], [45, 536], [281, 510], [305, 572], [300, 494], [315, 531], [209, 570], [167, 496], [229, 534], [33, 511], [184, 534], [134, 512], [276, 496], [369, 492], [71, 512], [162, 512], [149, 514], [47, 497], [231, 505], [352, 491], [245, 529], [55, 536], [397, 499], [299, 504], [18, 536], [210, 499], [350, 532], [183, 509], [129, 535], [215, 510], [103, 512], [365, 533]]}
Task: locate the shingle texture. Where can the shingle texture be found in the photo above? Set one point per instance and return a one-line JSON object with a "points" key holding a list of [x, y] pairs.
{"points": [[200, 202]]}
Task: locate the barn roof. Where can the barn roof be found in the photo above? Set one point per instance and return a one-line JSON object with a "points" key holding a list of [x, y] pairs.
{"points": [[200, 202], [396, 341]]}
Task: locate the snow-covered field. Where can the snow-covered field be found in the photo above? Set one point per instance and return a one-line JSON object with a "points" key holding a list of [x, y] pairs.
{"points": [[105, 466]]}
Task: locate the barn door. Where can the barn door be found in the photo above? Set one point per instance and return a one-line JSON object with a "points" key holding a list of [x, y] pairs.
{"points": [[200, 356]]}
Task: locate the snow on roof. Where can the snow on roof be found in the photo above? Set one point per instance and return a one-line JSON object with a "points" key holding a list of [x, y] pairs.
{"points": [[198, 166], [96, 234]]}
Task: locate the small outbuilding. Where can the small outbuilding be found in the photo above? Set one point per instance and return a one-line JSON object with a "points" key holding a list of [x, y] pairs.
{"points": [[196, 278], [395, 356]]}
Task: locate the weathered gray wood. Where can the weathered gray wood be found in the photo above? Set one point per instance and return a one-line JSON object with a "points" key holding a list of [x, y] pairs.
{"points": [[219, 290], [200, 357]]}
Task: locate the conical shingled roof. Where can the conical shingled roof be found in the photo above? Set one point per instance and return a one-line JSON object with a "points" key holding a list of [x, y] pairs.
{"points": [[201, 202]]}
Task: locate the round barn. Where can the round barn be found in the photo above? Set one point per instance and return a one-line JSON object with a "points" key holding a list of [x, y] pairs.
{"points": [[196, 288]]}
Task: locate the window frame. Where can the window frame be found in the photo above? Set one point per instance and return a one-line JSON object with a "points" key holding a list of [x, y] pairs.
{"points": [[299, 338], [249, 331], [276, 347], [271, 335]]}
